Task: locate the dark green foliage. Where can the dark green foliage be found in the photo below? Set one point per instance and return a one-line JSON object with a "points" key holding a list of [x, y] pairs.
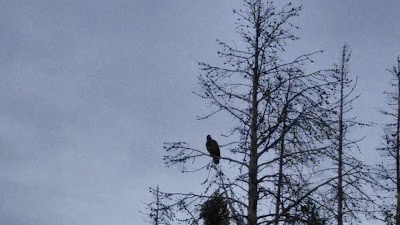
{"points": [[215, 211], [311, 214], [389, 217]]}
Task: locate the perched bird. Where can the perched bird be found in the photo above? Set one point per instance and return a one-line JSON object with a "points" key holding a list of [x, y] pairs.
{"points": [[213, 149]]}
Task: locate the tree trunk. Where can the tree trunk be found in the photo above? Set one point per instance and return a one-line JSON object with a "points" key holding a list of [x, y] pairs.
{"points": [[398, 153], [340, 147], [158, 207], [280, 182], [280, 169], [253, 166]]}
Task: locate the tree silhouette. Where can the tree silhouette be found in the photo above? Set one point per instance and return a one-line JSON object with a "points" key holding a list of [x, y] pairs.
{"points": [[349, 192], [311, 214], [389, 170], [215, 211], [282, 129]]}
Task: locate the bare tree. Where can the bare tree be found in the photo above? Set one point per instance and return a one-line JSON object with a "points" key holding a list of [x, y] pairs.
{"points": [[389, 171], [347, 197], [159, 213], [282, 127]]}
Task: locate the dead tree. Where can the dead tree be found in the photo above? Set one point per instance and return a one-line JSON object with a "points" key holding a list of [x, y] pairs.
{"points": [[389, 170], [157, 212], [348, 193], [281, 129]]}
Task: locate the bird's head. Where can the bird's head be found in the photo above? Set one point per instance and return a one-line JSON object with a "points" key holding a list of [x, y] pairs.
{"points": [[208, 137]]}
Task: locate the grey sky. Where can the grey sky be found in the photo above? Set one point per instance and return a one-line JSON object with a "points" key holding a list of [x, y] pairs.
{"points": [[91, 89]]}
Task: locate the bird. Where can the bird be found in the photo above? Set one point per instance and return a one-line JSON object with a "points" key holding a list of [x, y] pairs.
{"points": [[213, 148]]}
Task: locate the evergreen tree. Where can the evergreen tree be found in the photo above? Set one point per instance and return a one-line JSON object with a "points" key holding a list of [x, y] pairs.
{"points": [[215, 211]]}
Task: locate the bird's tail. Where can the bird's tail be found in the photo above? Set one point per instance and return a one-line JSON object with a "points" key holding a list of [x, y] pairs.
{"points": [[216, 160]]}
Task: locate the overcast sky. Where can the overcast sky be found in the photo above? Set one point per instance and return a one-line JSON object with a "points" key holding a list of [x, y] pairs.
{"points": [[90, 90]]}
